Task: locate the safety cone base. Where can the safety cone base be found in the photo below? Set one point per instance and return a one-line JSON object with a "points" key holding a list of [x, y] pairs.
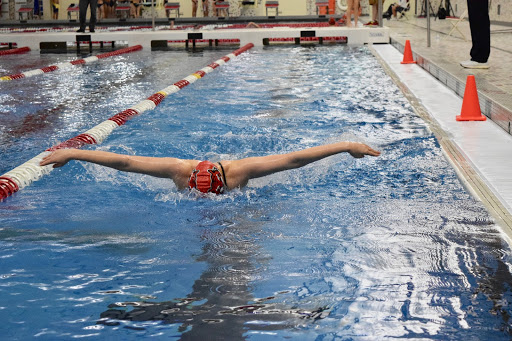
{"points": [[478, 118], [409, 62]]}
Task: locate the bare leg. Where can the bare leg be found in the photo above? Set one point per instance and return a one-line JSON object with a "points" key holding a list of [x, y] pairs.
{"points": [[194, 8], [350, 8], [356, 11], [206, 5], [101, 12]]}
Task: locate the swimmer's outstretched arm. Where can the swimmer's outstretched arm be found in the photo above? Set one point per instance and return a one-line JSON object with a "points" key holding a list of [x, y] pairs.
{"points": [[177, 169], [241, 171]]}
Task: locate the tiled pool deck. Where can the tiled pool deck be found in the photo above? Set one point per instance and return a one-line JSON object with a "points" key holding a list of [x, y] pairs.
{"points": [[445, 53]]}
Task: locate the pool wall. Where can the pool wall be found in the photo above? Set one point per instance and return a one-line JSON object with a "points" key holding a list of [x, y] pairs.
{"points": [[355, 36], [479, 151]]}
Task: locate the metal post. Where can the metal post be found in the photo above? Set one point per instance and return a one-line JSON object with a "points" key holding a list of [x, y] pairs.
{"points": [[428, 23], [153, 13]]}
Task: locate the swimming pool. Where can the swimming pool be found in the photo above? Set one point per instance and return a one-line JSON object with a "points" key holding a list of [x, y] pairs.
{"points": [[380, 248]]}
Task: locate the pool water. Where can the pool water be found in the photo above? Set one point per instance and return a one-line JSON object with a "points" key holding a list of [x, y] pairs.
{"points": [[367, 249]]}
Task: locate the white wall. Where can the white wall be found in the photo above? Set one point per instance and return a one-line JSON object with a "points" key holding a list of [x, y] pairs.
{"points": [[288, 8]]}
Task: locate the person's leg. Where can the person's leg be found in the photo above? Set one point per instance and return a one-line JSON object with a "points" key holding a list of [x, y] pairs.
{"points": [[194, 8], [82, 6], [356, 12], [350, 8], [206, 8], [92, 20], [106, 9], [375, 8], [478, 12]]}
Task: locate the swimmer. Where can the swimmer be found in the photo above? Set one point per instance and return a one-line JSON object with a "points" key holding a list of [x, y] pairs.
{"points": [[194, 9], [55, 8], [135, 8], [101, 10], [206, 5], [206, 176]]}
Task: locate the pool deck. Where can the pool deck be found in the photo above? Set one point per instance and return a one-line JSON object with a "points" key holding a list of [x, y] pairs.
{"points": [[480, 151]]}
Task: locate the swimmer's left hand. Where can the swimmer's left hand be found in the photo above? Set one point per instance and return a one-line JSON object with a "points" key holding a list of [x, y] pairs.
{"points": [[58, 158], [359, 150]]}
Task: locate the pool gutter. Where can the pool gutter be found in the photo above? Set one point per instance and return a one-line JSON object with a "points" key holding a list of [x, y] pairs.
{"points": [[470, 176]]}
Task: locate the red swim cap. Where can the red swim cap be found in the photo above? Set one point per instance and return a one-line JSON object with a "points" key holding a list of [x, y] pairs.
{"points": [[206, 178]]}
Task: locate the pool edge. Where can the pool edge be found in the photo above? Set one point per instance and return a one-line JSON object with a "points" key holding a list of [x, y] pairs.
{"points": [[465, 170]]}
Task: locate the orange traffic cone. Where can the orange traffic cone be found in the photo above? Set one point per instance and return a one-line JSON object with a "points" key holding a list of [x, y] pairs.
{"points": [[408, 59], [470, 104]]}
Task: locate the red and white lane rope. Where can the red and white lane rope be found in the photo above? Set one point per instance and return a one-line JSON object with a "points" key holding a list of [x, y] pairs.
{"points": [[15, 51], [65, 65], [30, 171]]}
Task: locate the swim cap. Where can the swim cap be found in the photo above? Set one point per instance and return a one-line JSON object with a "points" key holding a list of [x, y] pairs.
{"points": [[206, 178], [332, 21]]}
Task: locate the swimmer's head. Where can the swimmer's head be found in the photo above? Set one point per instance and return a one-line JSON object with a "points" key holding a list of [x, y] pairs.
{"points": [[332, 21], [206, 178]]}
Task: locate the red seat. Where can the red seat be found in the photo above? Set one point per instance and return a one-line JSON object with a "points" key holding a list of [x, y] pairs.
{"points": [[25, 9], [321, 4], [73, 9], [123, 9], [222, 5], [272, 4], [173, 6]]}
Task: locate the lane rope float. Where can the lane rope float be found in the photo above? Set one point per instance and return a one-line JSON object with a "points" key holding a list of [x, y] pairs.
{"points": [[30, 171], [15, 51], [87, 60]]}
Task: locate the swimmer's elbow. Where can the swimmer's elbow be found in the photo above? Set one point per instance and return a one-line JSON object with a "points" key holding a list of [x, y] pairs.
{"points": [[297, 161], [124, 163]]}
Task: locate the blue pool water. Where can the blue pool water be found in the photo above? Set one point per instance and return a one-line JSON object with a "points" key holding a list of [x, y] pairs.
{"points": [[368, 249]]}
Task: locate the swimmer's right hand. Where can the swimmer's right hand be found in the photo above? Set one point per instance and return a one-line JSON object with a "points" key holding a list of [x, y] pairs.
{"points": [[359, 150], [58, 157]]}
